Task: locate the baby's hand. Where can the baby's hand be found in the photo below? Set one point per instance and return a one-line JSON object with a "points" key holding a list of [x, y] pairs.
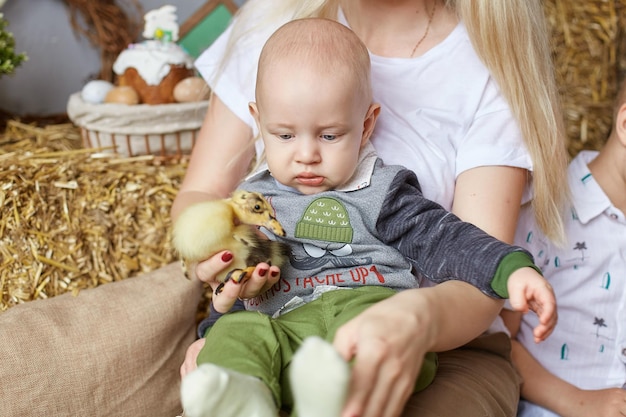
{"points": [[528, 290]]}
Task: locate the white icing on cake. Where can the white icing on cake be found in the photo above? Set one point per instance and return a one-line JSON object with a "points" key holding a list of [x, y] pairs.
{"points": [[152, 60]]}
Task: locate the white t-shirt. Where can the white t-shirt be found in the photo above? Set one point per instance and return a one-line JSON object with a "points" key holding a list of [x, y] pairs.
{"points": [[588, 345], [441, 112]]}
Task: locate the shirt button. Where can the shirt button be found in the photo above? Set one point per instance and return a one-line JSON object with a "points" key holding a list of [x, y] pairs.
{"points": [[624, 352], [613, 216]]}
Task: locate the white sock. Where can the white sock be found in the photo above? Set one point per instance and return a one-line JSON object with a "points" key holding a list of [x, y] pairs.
{"points": [[213, 391], [319, 379]]}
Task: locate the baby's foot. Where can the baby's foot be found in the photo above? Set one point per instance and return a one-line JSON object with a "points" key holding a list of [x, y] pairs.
{"points": [[211, 391], [318, 372]]}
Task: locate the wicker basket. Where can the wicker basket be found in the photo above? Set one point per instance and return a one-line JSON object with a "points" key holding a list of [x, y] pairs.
{"points": [[164, 130]]}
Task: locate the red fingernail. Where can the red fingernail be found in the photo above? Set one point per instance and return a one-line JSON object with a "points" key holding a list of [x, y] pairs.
{"points": [[262, 272], [227, 256], [274, 274]]}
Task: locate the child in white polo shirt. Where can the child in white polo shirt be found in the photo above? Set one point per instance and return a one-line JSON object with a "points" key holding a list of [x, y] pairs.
{"points": [[580, 370]]}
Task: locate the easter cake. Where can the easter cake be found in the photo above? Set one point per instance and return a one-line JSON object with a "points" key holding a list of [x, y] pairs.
{"points": [[154, 67]]}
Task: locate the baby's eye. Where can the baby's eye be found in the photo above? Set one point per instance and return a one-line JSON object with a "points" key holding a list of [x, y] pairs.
{"points": [[329, 137], [285, 136]]}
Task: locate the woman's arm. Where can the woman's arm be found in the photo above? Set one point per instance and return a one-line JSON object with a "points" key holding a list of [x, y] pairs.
{"points": [[490, 198], [220, 158]]}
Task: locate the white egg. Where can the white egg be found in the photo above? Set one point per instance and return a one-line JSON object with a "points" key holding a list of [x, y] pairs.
{"points": [[95, 91]]}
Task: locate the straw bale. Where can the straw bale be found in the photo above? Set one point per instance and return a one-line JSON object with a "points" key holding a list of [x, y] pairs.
{"points": [[72, 219], [588, 50]]}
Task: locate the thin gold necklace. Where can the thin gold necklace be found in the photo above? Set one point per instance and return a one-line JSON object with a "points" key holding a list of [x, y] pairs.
{"points": [[430, 20]]}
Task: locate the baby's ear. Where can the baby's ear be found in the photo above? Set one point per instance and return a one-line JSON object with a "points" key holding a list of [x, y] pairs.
{"points": [[370, 121], [254, 111], [252, 108]]}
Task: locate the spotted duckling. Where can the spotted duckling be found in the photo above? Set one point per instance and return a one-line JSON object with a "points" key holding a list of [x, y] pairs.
{"points": [[208, 227]]}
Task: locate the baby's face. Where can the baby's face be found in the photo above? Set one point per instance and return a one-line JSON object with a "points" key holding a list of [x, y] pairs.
{"points": [[312, 126]]}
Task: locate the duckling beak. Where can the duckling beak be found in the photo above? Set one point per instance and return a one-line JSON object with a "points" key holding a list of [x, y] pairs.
{"points": [[274, 226]]}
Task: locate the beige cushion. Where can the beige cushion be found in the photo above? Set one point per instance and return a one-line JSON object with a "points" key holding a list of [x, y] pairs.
{"points": [[114, 350], [477, 379]]}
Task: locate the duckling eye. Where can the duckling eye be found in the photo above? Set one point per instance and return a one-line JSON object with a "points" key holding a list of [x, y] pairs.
{"points": [[257, 207]]}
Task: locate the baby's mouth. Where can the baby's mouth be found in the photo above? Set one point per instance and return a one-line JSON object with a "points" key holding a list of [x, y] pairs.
{"points": [[311, 180]]}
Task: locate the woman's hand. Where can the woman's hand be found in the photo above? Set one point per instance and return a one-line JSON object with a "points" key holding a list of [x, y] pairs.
{"points": [[387, 344], [262, 279], [388, 341], [191, 356]]}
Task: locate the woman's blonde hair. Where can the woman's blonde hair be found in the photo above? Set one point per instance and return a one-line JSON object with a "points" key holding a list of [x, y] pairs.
{"points": [[511, 38]]}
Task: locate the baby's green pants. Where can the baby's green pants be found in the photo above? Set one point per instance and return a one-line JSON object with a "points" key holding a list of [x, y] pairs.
{"points": [[255, 344]]}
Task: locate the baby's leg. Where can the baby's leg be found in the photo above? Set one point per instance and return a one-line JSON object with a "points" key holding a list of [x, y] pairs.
{"points": [[211, 390], [319, 379], [239, 369]]}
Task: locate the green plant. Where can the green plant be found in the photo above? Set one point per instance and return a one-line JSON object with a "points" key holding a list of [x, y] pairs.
{"points": [[9, 60]]}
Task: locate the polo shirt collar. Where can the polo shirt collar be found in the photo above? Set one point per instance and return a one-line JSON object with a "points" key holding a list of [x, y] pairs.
{"points": [[588, 198]]}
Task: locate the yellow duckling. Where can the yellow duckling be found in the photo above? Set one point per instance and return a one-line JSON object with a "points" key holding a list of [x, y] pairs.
{"points": [[205, 228]]}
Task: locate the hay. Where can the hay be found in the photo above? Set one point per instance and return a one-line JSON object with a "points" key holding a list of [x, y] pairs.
{"points": [[73, 219], [588, 49]]}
